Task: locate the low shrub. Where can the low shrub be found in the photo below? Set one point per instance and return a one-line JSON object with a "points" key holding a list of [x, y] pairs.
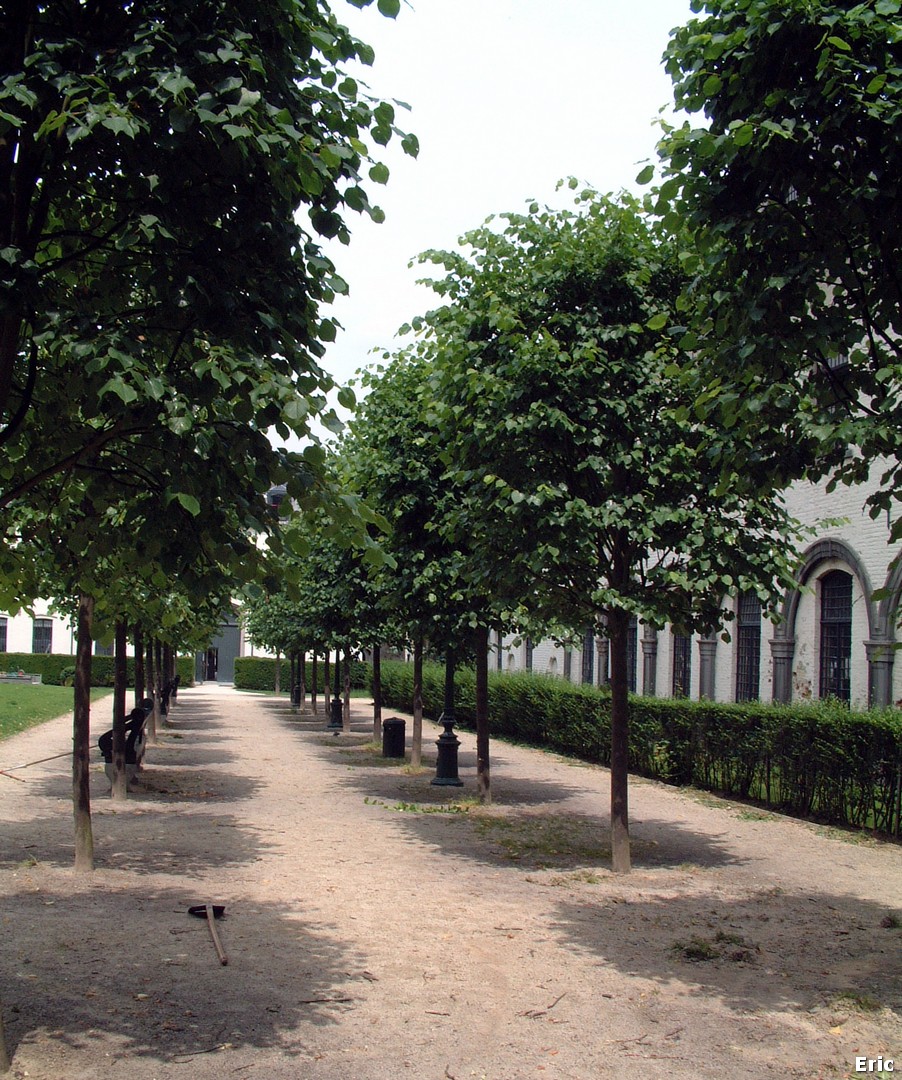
{"points": [[55, 668], [259, 673], [817, 760]]}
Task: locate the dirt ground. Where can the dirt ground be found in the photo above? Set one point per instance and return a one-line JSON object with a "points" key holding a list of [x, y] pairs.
{"points": [[378, 926]]}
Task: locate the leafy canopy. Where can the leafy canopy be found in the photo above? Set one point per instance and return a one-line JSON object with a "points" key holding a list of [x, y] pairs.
{"points": [[590, 484], [790, 191]]}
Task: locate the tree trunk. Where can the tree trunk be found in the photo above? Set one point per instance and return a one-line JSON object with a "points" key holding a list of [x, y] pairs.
{"points": [[483, 763], [302, 681], [314, 674], [167, 666], [138, 640], [159, 677], [292, 675], [618, 629], [4, 1056], [150, 691], [278, 677], [327, 682], [81, 744], [416, 746], [346, 706], [377, 693], [120, 686]]}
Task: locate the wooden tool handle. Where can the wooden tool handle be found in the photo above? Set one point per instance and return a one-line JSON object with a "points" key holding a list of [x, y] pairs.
{"points": [[211, 922]]}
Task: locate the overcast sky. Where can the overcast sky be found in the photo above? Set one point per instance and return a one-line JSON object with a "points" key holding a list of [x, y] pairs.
{"points": [[507, 97]]}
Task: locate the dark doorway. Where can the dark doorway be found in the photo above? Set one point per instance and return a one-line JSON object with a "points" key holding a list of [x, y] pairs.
{"points": [[211, 665]]}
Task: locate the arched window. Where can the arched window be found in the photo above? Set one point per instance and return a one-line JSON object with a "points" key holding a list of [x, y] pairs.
{"points": [[748, 647], [836, 635], [682, 664]]}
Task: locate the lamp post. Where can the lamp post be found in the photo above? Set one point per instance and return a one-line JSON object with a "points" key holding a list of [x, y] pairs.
{"points": [[447, 742]]}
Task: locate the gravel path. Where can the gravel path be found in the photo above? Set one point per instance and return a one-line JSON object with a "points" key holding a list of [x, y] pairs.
{"points": [[379, 927]]}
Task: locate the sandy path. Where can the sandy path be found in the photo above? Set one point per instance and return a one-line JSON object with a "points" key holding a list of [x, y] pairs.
{"points": [[371, 937]]}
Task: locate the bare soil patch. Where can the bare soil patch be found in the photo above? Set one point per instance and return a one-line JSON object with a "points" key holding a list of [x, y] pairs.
{"points": [[378, 926]]}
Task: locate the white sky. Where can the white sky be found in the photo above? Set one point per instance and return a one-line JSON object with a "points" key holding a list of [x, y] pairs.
{"points": [[507, 98]]}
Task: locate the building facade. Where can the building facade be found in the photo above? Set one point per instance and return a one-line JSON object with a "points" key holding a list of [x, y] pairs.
{"points": [[836, 637]]}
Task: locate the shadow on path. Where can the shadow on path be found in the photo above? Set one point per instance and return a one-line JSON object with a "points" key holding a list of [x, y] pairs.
{"points": [[165, 1000]]}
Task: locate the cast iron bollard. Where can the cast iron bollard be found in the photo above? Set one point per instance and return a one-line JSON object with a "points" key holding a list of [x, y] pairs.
{"points": [[296, 695], [446, 763], [393, 737]]}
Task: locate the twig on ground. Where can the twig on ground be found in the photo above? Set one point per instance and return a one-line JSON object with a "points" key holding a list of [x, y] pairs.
{"points": [[534, 1014]]}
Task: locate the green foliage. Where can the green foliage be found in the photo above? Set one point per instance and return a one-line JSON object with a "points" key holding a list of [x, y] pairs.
{"points": [[821, 761], [395, 455], [259, 673], [53, 667], [167, 173], [589, 484], [789, 191]]}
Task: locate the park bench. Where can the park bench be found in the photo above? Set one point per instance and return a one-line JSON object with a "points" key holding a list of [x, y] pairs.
{"points": [[170, 690], [20, 677], [135, 741]]}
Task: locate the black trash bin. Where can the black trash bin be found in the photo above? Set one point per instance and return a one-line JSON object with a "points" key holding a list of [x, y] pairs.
{"points": [[393, 737]]}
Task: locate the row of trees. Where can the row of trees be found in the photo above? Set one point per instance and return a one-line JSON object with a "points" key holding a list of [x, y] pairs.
{"points": [[540, 463], [593, 424], [598, 419], [167, 173]]}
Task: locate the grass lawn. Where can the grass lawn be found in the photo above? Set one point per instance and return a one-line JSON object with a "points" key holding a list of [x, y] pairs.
{"points": [[23, 707]]}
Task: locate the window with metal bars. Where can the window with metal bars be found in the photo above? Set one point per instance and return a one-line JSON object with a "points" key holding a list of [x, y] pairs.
{"points": [[588, 671], [836, 635], [682, 664], [42, 636], [748, 648]]}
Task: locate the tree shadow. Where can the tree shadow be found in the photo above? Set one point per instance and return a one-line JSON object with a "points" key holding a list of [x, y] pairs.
{"points": [[134, 837], [133, 968], [764, 950], [390, 778]]}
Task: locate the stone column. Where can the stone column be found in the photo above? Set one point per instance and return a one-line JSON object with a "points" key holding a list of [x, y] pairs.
{"points": [[880, 673], [649, 660], [707, 646], [783, 651]]}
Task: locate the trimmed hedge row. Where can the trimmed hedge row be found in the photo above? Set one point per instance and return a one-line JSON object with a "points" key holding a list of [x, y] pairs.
{"points": [[820, 760], [55, 667], [259, 673]]}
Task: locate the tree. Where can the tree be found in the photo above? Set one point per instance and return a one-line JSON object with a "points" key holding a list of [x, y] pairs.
{"points": [[394, 458], [790, 189], [588, 492], [152, 164]]}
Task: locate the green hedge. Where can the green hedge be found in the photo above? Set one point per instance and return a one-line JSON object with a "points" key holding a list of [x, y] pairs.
{"points": [[259, 673], [52, 666], [820, 760]]}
